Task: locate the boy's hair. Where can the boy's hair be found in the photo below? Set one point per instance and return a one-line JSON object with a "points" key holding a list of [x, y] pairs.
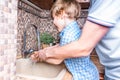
{"points": [[70, 7]]}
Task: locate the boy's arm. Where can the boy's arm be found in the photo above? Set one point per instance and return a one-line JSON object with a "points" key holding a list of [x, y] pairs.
{"points": [[54, 61]]}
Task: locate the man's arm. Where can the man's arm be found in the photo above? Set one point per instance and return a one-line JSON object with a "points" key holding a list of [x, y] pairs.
{"points": [[91, 35]]}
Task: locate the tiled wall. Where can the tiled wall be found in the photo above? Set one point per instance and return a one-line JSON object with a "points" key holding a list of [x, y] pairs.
{"points": [[8, 39], [25, 19]]}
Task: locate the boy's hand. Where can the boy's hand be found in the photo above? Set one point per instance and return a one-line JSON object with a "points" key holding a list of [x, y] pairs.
{"points": [[35, 56]]}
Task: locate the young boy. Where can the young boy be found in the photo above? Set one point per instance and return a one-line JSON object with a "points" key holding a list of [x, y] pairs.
{"points": [[65, 14]]}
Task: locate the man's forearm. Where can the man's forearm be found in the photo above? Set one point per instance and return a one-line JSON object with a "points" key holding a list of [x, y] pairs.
{"points": [[70, 50], [91, 35]]}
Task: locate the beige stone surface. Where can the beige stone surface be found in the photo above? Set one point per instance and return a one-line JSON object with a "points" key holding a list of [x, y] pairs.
{"points": [[27, 69], [68, 76]]}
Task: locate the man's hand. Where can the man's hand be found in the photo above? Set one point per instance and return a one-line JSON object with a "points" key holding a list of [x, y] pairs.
{"points": [[41, 56], [51, 60], [43, 52]]}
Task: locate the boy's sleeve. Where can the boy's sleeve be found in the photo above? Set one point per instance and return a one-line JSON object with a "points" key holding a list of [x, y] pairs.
{"points": [[105, 12], [69, 36]]}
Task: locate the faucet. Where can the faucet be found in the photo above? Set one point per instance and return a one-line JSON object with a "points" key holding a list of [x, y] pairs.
{"points": [[27, 53]]}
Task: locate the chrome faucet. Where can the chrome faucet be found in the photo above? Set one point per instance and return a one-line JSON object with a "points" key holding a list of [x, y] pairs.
{"points": [[27, 53]]}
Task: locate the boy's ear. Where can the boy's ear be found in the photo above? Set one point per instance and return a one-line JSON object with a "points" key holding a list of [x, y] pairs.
{"points": [[63, 15]]}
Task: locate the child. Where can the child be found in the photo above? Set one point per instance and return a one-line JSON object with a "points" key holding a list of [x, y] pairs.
{"points": [[65, 13]]}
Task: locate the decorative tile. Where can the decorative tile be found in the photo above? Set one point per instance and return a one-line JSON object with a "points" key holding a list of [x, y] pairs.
{"points": [[8, 39]]}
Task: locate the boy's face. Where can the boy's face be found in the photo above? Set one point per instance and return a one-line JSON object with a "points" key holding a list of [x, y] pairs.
{"points": [[59, 22]]}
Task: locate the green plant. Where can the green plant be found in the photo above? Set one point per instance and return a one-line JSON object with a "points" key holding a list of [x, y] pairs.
{"points": [[46, 38]]}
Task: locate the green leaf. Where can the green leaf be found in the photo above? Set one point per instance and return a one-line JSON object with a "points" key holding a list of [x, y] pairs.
{"points": [[46, 38]]}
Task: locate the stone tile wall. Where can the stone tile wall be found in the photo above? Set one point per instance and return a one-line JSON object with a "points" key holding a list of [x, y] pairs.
{"points": [[43, 23], [8, 39]]}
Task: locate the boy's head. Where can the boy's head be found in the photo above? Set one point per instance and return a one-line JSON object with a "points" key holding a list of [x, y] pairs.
{"points": [[70, 7]]}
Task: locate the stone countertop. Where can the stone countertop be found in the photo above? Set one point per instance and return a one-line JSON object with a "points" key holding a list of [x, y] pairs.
{"points": [[68, 76], [21, 78]]}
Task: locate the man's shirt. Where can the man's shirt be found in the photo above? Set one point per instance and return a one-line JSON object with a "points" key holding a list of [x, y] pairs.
{"points": [[107, 13]]}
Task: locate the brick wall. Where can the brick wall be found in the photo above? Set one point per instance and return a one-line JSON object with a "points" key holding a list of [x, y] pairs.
{"points": [[8, 39]]}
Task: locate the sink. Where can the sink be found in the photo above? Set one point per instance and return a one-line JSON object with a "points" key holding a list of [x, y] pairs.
{"points": [[39, 71]]}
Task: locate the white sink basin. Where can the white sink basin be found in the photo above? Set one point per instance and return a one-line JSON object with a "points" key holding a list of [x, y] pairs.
{"points": [[39, 71]]}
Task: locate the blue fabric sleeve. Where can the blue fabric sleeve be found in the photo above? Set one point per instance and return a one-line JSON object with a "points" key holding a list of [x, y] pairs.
{"points": [[105, 12], [70, 36]]}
